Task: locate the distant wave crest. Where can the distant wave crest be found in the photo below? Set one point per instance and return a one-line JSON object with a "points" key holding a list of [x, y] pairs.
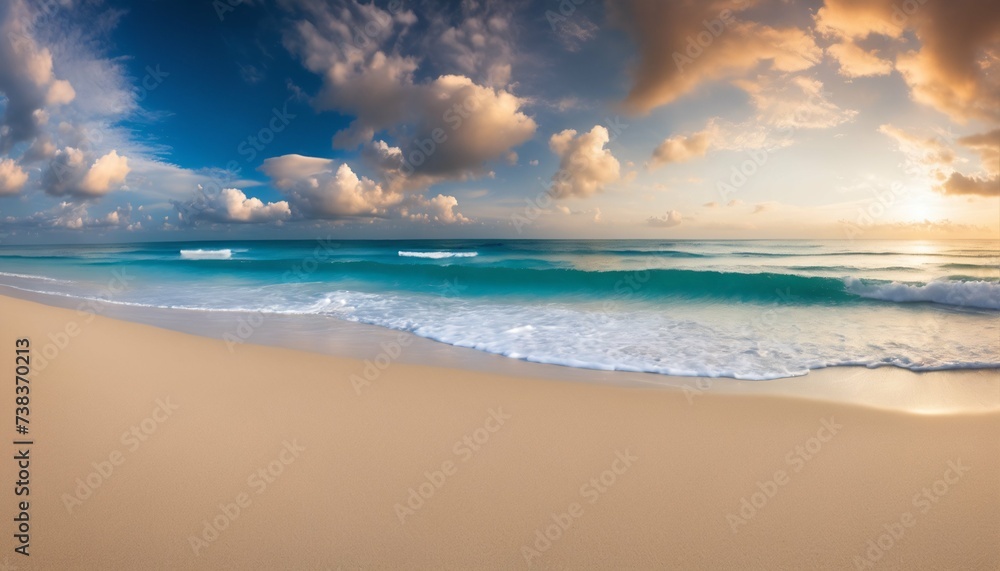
{"points": [[978, 294], [206, 254], [437, 255]]}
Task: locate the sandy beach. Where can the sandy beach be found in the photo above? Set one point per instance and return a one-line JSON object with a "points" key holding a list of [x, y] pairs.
{"points": [[155, 449]]}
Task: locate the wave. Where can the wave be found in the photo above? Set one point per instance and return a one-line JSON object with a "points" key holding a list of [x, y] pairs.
{"points": [[970, 266], [650, 253], [32, 277], [977, 294], [495, 280], [437, 255], [206, 254], [846, 253]]}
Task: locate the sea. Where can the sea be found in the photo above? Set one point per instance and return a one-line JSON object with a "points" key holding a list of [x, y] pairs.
{"points": [[751, 310]]}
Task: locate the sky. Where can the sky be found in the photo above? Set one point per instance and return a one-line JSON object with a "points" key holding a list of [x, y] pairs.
{"points": [[672, 119]]}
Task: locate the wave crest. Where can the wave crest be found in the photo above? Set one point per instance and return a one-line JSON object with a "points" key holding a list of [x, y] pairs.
{"points": [[978, 294], [224, 254], [437, 255]]}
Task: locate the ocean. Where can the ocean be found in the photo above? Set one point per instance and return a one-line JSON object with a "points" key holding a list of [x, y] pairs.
{"points": [[744, 309]]}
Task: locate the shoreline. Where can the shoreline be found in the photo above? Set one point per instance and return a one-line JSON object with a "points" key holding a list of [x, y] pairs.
{"points": [[887, 387], [159, 449]]}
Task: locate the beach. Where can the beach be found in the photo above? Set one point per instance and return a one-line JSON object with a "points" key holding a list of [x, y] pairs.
{"points": [[157, 449]]}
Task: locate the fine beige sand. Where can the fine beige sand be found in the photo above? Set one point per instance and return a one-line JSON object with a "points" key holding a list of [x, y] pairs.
{"points": [[147, 442]]}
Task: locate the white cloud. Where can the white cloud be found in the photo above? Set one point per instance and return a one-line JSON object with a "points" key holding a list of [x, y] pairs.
{"points": [[585, 166], [320, 188], [442, 209], [74, 216], [71, 172], [12, 177], [794, 102], [670, 219], [232, 205], [324, 189], [681, 148], [106, 172]]}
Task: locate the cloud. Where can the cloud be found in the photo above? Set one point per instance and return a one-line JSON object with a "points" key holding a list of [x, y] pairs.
{"points": [[681, 148], [106, 172], [71, 172], [320, 188], [27, 79], [927, 157], [585, 166], [479, 46], [575, 31], [75, 216], [324, 189], [987, 146], [670, 219], [930, 151], [444, 128], [794, 102], [958, 183], [936, 159], [856, 62], [685, 44], [478, 124], [718, 134], [954, 68], [12, 177], [442, 209], [232, 205]]}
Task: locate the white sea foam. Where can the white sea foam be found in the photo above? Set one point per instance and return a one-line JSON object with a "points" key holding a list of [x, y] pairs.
{"points": [[437, 255], [31, 277], [978, 294], [206, 254]]}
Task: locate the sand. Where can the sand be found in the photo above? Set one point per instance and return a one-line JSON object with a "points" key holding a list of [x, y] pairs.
{"points": [[155, 449]]}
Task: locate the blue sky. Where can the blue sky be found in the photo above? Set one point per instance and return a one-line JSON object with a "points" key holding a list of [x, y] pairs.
{"points": [[159, 120]]}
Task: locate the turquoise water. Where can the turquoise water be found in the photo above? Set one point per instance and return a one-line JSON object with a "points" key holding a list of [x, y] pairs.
{"points": [[744, 309]]}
